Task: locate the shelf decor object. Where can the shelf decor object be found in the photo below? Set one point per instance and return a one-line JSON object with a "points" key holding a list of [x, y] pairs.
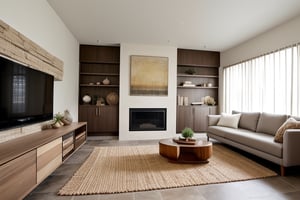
{"points": [[149, 75]]}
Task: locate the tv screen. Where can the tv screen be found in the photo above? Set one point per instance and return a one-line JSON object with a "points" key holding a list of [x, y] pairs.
{"points": [[26, 95]]}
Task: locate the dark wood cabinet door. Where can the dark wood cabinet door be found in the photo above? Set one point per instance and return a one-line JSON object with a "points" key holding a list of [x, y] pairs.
{"points": [[101, 120], [200, 118], [108, 119], [184, 118]]}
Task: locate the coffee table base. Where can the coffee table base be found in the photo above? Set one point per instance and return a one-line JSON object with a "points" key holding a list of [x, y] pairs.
{"points": [[198, 153]]}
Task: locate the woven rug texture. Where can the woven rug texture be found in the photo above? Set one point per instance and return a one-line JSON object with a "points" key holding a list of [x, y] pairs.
{"points": [[139, 168]]}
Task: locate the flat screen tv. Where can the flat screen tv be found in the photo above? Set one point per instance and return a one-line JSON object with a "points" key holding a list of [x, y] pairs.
{"points": [[26, 95]]}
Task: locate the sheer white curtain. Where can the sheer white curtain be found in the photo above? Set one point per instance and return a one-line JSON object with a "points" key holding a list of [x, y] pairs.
{"points": [[270, 83]]}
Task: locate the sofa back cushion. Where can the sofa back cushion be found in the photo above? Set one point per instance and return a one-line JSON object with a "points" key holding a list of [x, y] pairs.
{"points": [[270, 123], [248, 120]]}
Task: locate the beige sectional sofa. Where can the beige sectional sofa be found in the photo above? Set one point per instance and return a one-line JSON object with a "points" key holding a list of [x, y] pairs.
{"points": [[254, 133]]}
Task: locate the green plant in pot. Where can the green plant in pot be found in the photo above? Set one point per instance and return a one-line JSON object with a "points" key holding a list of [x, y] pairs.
{"points": [[187, 133], [57, 120]]}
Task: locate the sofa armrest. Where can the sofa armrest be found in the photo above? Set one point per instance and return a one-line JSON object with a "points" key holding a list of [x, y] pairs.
{"points": [[213, 120], [291, 147]]}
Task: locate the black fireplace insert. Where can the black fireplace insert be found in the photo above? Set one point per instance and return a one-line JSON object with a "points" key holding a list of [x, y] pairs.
{"points": [[147, 119]]}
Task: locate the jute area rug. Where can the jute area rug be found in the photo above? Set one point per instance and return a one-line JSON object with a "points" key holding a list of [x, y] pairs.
{"points": [[140, 168]]}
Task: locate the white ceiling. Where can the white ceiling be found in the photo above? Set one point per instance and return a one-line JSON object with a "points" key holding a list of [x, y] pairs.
{"points": [[193, 24]]}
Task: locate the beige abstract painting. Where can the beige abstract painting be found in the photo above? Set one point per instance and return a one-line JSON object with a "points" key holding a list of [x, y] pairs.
{"points": [[149, 75]]}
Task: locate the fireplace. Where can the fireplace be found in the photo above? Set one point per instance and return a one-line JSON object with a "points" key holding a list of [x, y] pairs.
{"points": [[147, 119]]}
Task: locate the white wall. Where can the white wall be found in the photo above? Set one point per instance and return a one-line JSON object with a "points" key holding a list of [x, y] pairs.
{"points": [[38, 21], [127, 101], [281, 36]]}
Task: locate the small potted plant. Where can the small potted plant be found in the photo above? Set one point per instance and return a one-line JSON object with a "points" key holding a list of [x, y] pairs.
{"points": [[57, 120], [187, 134]]}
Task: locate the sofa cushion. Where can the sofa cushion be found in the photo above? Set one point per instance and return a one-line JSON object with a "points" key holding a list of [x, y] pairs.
{"points": [[259, 141], [290, 123], [228, 120], [219, 130], [213, 120], [248, 120], [270, 123]]}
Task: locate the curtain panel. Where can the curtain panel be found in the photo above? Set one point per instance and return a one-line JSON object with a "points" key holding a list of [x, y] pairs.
{"points": [[269, 83]]}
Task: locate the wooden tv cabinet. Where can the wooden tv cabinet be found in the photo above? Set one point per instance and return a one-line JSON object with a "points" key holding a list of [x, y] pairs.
{"points": [[26, 161]]}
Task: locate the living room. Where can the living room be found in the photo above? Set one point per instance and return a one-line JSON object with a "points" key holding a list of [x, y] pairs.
{"points": [[269, 28]]}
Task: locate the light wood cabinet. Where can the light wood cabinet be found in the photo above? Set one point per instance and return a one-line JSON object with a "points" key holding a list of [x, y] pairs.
{"points": [[27, 161], [49, 157], [18, 177]]}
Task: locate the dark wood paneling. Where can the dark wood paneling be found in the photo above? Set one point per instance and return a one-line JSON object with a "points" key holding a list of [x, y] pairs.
{"points": [[198, 58], [101, 54]]}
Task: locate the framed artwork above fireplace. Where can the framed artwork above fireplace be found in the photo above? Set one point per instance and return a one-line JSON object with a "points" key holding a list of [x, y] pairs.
{"points": [[148, 75]]}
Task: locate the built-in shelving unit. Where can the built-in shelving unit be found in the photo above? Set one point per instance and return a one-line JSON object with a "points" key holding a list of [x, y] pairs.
{"points": [[96, 64], [201, 70]]}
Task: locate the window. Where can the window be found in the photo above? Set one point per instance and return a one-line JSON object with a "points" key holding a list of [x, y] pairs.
{"points": [[269, 83]]}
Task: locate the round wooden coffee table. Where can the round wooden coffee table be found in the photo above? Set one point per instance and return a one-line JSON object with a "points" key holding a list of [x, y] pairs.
{"points": [[199, 152]]}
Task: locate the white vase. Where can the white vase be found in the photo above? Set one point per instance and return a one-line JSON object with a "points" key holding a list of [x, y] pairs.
{"points": [[86, 99]]}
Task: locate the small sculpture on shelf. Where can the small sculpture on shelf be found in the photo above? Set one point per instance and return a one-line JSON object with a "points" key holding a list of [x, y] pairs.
{"points": [[67, 117], [59, 120], [190, 71], [209, 100], [106, 81]]}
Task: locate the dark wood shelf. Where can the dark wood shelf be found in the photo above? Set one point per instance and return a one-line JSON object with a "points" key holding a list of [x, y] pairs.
{"points": [[195, 87], [95, 85], [99, 62], [195, 65], [98, 74], [197, 76]]}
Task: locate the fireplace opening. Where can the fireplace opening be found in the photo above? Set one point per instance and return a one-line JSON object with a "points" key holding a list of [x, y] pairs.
{"points": [[147, 119]]}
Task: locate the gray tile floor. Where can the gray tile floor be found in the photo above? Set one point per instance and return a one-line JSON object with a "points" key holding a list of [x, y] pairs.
{"points": [[273, 188]]}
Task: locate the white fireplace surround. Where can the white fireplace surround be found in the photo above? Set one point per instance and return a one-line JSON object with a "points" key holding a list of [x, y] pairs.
{"points": [[127, 101]]}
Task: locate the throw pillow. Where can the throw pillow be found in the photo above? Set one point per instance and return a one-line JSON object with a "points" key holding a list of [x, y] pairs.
{"points": [[290, 123], [227, 120]]}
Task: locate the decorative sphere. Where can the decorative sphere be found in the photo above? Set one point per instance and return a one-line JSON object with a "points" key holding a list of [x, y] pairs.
{"points": [[86, 99]]}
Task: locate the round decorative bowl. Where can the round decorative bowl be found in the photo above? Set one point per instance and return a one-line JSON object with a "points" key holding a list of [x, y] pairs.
{"points": [[112, 98]]}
